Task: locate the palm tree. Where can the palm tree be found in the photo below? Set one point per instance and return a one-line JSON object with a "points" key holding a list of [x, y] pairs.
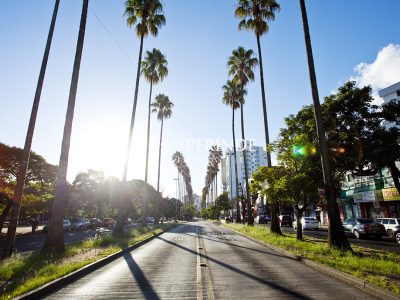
{"points": [[55, 236], [154, 69], [241, 65], [232, 97], [255, 16], [163, 107], [336, 235], [148, 17], [24, 162]]}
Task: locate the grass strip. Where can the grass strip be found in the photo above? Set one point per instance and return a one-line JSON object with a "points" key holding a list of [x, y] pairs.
{"points": [[378, 267], [25, 272]]}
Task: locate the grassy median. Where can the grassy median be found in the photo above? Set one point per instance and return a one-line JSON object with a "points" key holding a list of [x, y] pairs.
{"points": [[376, 266], [25, 272]]}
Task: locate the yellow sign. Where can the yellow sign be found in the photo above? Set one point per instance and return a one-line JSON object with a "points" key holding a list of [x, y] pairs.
{"points": [[390, 194]]}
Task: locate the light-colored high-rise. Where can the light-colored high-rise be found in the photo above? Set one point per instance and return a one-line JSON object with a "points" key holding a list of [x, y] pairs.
{"points": [[256, 157]]}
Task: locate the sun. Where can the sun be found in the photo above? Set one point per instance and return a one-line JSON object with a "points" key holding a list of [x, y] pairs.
{"points": [[101, 146]]}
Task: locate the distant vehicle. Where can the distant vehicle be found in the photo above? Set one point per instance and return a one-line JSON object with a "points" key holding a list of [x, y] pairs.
{"points": [[364, 227], [285, 220], [108, 222], [66, 226], [95, 223], [392, 225], [150, 220], [80, 223], [307, 223], [127, 221], [261, 219]]}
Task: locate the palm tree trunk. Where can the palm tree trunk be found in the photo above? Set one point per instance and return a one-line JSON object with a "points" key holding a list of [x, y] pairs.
{"points": [[158, 205], [336, 235], [216, 185], [246, 175], [148, 133], [23, 165], [269, 164], [159, 156], [119, 226], [238, 219], [55, 237]]}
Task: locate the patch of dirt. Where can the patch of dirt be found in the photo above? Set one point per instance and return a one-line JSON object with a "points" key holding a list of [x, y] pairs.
{"points": [[83, 255]]}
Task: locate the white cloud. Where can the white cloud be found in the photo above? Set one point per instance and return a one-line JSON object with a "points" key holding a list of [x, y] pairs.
{"points": [[381, 73]]}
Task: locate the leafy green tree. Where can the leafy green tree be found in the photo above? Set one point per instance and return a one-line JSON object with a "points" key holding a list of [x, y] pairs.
{"points": [[55, 238], [223, 202], [39, 182], [232, 98], [154, 68], [255, 15], [241, 64]]}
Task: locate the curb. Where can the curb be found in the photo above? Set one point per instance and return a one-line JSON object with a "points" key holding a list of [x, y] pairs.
{"points": [[73, 276], [364, 285]]}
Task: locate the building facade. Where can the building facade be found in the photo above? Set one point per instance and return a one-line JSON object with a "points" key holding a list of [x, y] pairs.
{"points": [[373, 196], [256, 157]]}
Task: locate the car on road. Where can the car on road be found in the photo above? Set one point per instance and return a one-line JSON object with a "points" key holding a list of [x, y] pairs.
{"points": [[307, 223], [261, 219], [127, 221], [108, 222], [285, 220], [80, 223], [392, 225], [66, 226], [95, 223], [363, 227], [150, 220]]}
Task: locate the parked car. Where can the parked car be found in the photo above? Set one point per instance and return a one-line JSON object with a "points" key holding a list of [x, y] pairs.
{"points": [[307, 223], [150, 220], [261, 219], [95, 223], [364, 227], [398, 238], [108, 222], [285, 220], [80, 223], [392, 226], [127, 221], [66, 226]]}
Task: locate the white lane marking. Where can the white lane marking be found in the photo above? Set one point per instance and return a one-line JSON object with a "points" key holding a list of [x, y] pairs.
{"points": [[198, 269]]}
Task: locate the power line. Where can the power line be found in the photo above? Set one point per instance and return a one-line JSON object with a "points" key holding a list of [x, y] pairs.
{"points": [[111, 36]]}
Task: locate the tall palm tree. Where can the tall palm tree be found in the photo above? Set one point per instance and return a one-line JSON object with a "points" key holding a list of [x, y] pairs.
{"points": [[154, 69], [55, 236], [336, 235], [148, 17], [255, 16], [163, 107], [23, 165], [241, 65], [232, 97]]}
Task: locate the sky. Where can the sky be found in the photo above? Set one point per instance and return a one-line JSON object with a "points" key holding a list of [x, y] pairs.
{"points": [[356, 40]]}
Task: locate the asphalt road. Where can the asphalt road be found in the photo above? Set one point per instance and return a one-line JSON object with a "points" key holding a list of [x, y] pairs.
{"points": [[201, 260], [385, 244]]}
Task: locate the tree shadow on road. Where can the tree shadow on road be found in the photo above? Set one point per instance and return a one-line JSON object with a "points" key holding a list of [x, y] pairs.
{"points": [[144, 285], [287, 291]]}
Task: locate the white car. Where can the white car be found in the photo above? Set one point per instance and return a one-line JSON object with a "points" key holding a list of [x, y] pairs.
{"points": [[307, 223]]}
